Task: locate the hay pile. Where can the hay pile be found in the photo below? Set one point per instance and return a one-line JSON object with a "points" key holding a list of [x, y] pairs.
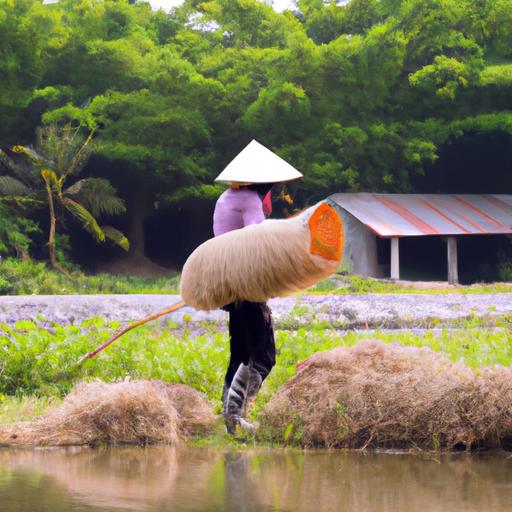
{"points": [[377, 395], [124, 412]]}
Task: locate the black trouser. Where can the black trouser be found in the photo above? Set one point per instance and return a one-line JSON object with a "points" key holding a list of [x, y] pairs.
{"points": [[251, 340]]}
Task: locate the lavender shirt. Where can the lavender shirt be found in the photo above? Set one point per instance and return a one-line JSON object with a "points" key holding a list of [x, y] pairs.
{"points": [[236, 209]]}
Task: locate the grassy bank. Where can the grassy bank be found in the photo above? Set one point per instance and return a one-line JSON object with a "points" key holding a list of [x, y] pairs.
{"points": [[355, 285], [33, 278], [36, 362], [36, 278]]}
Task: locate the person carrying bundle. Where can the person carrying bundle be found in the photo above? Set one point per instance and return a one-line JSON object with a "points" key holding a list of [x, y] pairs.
{"points": [[251, 260], [252, 348]]}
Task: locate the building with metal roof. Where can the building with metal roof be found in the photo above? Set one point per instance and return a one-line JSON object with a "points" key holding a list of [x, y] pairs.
{"points": [[370, 217]]}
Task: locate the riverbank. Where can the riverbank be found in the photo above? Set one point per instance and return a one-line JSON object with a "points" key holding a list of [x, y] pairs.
{"points": [[43, 336], [37, 362]]}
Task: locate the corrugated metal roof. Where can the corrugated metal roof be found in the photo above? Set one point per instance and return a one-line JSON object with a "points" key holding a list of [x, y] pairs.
{"points": [[390, 215]]}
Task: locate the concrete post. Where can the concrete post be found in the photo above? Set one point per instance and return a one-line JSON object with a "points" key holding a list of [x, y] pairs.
{"points": [[453, 272], [395, 259]]}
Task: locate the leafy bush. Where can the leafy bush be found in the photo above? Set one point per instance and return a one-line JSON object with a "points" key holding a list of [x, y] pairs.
{"points": [[16, 232], [505, 271]]}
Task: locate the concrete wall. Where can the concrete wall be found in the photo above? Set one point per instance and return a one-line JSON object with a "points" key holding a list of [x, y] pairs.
{"points": [[360, 248]]}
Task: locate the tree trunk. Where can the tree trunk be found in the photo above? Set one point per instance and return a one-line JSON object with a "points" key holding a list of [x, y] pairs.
{"points": [[21, 253], [135, 262], [51, 237], [139, 209]]}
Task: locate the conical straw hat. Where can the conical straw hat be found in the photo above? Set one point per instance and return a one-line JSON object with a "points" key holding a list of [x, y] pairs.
{"points": [[257, 164]]}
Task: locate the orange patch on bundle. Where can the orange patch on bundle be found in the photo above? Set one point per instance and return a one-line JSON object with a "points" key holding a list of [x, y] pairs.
{"points": [[326, 231]]}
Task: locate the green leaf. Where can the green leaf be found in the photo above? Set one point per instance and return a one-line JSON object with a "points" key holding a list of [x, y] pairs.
{"points": [[195, 192], [288, 431], [7, 163], [21, 200], [98, 195], [85, 217], [25, 150], [117, 237], [26, 173]]}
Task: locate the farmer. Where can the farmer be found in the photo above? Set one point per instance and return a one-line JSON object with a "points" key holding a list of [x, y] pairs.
{"points": [[247, 201]]}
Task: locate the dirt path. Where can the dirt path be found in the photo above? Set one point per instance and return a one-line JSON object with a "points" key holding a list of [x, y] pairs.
{"points": [[389, 310]]}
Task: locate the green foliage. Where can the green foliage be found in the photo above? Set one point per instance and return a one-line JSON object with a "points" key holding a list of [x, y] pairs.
{"points": [[211, 192], [15, 233], [505, 271], [281, 107], [61, 152], [443, 77], [98, 196], [500, 75], [25, 408], [28, 30], [35, 359], [360, 95], [358, 285], [32, 278]]}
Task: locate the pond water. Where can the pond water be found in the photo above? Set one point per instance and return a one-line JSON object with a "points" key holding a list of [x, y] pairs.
{"points": [[161, 478]]}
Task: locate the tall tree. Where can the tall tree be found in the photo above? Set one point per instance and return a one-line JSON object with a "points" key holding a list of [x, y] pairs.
{"points": [[58, 156]]}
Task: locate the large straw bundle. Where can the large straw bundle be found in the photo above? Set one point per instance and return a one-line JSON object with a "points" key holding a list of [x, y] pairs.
{"points": [[392, 396], [266, 260], [125, 412]]}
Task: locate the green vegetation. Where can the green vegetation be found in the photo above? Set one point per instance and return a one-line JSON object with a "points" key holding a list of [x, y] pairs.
{"points": [[25, 408], [32, 278], [38, 361], [354, 284], [36, 278], [43, 180], [364, 95]]}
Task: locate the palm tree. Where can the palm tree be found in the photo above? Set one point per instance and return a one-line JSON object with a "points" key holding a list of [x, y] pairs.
{"points": [[41, 179]]}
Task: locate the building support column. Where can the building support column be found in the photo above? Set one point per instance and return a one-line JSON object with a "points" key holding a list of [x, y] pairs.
{"points": [[395, 259], [453, 271]]}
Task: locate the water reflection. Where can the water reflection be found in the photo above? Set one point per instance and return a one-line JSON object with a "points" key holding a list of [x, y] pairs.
{"points": [[160, 479]]}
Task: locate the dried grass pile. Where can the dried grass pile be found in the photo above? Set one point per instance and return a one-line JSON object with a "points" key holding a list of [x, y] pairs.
{"points": [[377, 395], [124, 412]]}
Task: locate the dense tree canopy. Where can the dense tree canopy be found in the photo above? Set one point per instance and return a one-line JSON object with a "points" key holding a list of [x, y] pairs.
{"points": [[358, 95]]}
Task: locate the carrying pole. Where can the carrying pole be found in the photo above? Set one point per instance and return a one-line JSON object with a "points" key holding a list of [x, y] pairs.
{"points": [[138, 323]]}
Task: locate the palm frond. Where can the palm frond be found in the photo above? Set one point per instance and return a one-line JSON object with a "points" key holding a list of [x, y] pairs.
{"points": [[98, 195], [81, 156], [25, 170], [55, 143], [74, 189], [65, 146], [116, 236], [30, 152], [22, 200], [10, 186], [85, 217], [22, 171], [7, 163], [53, 181]]}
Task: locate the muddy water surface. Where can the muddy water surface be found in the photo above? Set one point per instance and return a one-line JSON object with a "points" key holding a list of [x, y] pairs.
{"points": [[159, 479]]}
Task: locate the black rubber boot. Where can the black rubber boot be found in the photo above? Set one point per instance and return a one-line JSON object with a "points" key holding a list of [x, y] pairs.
{"points": [[235, 401], [255, 382]]}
